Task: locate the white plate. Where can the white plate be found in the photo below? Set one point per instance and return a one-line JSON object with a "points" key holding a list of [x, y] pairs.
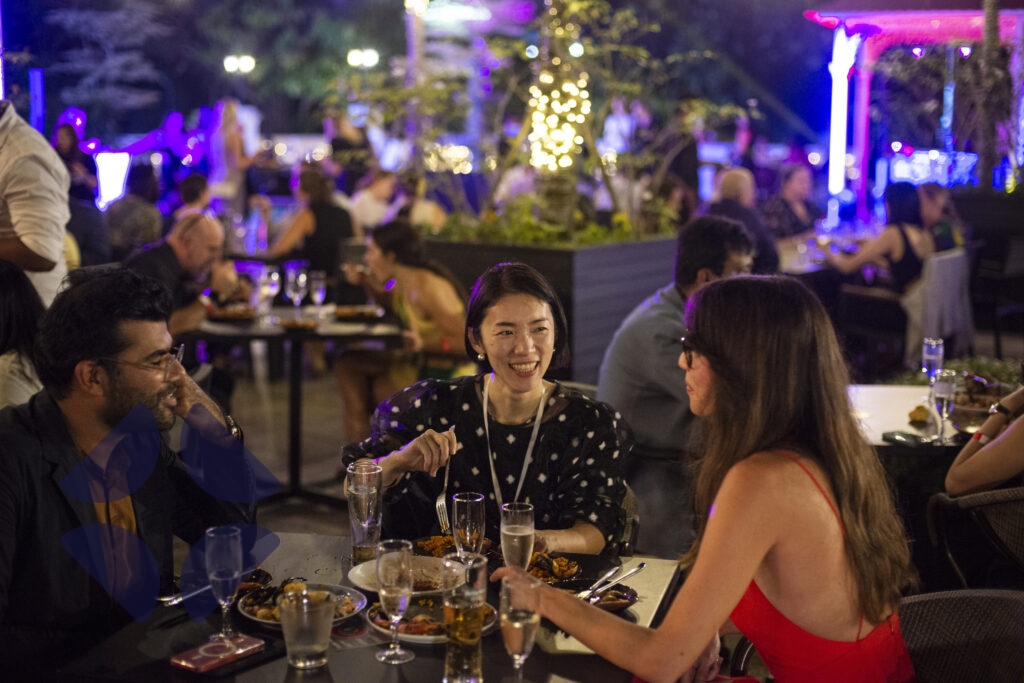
{"points": [[364, 576], [341, 591], [437, 611]]}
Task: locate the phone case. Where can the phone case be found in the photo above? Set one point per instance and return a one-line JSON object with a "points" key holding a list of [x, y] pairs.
{"points": [[217, 653]]}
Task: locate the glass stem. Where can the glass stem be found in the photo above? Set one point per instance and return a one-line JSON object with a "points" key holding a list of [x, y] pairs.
{"points": [[394, 636], [225, 614]]}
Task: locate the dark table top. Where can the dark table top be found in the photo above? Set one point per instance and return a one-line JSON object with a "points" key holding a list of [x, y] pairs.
{"points": [[141, 651]]}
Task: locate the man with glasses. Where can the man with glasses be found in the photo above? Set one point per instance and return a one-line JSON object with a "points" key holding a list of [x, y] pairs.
{"points": [[89, 452], [641, 377]]}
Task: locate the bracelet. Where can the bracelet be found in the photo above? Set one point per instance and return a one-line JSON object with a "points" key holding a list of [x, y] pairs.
{"points": [[981, 438]]}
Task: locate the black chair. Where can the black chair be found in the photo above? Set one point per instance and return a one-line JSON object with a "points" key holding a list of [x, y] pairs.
{"points": [[999, 515], [997, 283], [965, 636]]}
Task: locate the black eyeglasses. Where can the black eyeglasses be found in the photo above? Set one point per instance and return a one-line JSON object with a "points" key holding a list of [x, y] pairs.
{"points": [[164, 365], [687, 351]]}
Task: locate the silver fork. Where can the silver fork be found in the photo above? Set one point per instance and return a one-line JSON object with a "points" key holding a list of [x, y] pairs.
{"points": [[441, 503]]}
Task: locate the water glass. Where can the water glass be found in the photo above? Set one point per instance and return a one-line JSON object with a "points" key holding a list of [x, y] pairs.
{"points": [[394, 586], [306, 617], [296, 286], [944, 393], [364, 489], [468, 522], [223, 554], [317, 288], [464, 590], [517, 534], [932, 353]]}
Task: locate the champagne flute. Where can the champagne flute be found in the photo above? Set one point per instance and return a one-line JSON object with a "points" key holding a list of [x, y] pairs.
{"points": [[296, 287], [318, 288], [519, 620], [468, 522], [270, 285], [944, 391], [517, 534], [223, 551], [394, 585]]}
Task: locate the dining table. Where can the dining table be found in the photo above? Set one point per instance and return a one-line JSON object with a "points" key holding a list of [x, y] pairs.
{"points": [[141, 652], [299, 327], [915, 471]]}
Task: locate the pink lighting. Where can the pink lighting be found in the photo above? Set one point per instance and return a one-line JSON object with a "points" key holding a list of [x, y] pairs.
{"points": [[965, 51]]}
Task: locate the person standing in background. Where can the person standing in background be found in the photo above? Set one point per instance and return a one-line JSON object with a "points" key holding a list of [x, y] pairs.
{"points": [[20, 311], [34, 209], [228, 161]]}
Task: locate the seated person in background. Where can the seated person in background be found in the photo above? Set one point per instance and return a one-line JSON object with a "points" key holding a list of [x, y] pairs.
{"points": [[903, 245], [800, 547], [428, 300], [134, 221], [939, 217], [81, 166], [996, 452], [414, 208], [790, 215], [736, 192], [194, 192], [317, 232], [20, 310], [188, 262], [103, 351], [641, 377], [371, 201], [554, 447]]}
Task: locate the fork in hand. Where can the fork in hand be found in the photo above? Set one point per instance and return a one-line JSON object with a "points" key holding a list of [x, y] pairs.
{"points": [[441, 503]]}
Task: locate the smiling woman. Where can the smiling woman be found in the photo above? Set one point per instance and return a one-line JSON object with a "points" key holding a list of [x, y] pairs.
{"points": [[549, 445]]}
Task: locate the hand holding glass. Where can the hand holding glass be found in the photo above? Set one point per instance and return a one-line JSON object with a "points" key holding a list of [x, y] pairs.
{"points": [[223, 549], [519, 618], [517, 534], [468, 522], [394, 586]]}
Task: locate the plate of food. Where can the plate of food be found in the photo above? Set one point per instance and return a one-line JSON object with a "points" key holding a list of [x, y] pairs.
{"points": [[426, 575], [366, 313], [236, 312], [423, 622], [971, 406], [439, 546], [615, 599], [260, 605]]}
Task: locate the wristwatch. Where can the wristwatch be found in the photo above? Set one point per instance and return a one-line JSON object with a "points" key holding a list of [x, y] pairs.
{"points": [[998, 407]]}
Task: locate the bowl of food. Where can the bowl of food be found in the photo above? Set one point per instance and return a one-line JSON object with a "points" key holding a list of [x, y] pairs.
{"points": [[971, 405]]}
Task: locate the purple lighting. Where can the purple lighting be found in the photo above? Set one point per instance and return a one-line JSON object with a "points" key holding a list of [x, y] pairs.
{"points": [[918, 52], [965, 51]]}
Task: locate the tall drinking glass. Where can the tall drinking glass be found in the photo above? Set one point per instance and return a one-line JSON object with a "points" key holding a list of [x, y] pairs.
{"points": [[270, 285], [317, 288], [517, 534], [468, 522], [932, 353], [363, 490], [944, 392], [394, 586], [519, 620], [223, 547], [296, 286], [464, 590]]}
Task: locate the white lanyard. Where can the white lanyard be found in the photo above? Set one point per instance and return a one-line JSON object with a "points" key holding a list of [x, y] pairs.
{"points": [[529, 449]]}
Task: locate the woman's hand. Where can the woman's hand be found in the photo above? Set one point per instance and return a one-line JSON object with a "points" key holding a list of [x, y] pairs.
{"points": [[428, 452], [355, 274], [707, 665], [412, 342]]}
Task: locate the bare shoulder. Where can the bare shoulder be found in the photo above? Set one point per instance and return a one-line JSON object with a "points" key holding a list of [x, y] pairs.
{"points": [[770, 477]]}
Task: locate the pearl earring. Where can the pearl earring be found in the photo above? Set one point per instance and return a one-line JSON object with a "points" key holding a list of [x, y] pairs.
{"points": [[481, 357]]}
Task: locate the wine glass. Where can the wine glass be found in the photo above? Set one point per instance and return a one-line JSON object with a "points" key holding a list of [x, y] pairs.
{"points": [[318, 288], [394, 585], [295, 287], [517, 534], [519, 620], [468, 522], [270, 285], [224, 571], [943, 392]]}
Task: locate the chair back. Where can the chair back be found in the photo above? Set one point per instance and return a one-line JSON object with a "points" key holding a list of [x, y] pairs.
{"points": [[965, 636], [999, 515], [939, 305]]}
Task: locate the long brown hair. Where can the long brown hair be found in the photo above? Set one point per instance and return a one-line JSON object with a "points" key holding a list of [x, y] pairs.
{"points": [[779, 372]]}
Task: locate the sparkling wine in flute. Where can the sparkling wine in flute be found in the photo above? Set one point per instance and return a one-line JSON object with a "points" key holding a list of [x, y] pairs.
{"points": [[223, 583], [394, 602], [943, 404], [519, 629], [517, 544]]}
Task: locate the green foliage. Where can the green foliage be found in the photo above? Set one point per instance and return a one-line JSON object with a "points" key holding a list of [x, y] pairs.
{"points": [[1006, 372], [519, 224]]}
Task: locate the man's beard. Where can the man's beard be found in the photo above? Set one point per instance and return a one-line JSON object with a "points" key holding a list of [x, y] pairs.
{"points": [[123, 398]]}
